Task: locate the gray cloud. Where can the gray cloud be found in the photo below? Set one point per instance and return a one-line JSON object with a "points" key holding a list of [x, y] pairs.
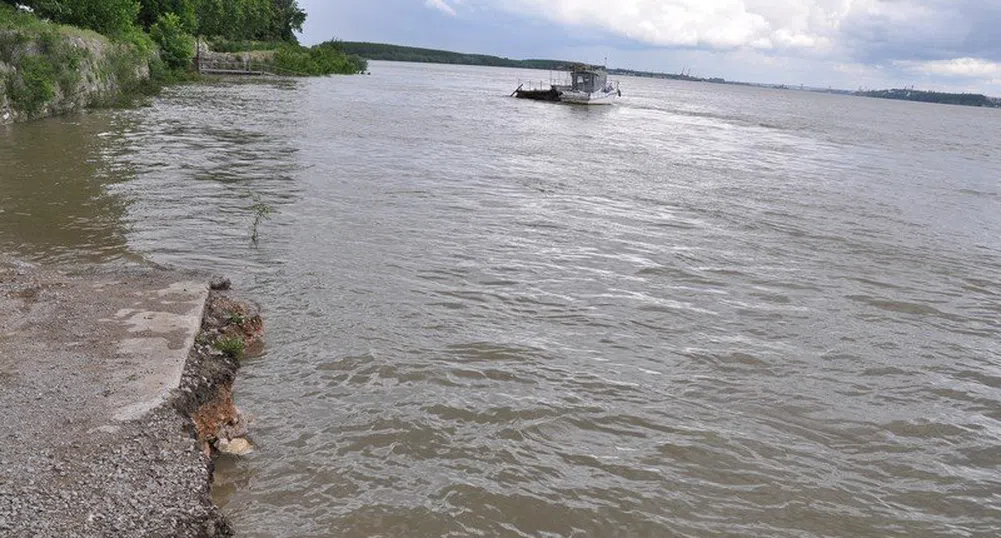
{"points": [[850, 39], [923, 30]]}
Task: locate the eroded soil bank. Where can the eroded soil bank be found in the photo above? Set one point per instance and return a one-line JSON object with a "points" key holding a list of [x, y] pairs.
{"points": [[96, 438]]}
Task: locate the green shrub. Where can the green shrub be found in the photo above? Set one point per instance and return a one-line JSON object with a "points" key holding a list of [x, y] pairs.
{"points": [[11, 44], [34, 85], [125, 64], [226, 45], [38, 77], [324, 59], [159, 72], [232, 346], [109, 17], [150, 12], [11, 17], [176, 46], [143, 43]]}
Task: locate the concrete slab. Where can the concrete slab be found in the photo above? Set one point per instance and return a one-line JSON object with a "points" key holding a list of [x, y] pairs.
{"points": [[136, 332], [87, 363], [168, 322]]}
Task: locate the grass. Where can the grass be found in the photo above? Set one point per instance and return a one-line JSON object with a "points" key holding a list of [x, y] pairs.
{"points": [[16, 19], [232, 346], [236, 318]]}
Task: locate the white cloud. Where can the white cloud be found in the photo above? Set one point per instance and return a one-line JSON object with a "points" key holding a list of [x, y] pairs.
{"points": [[860, 42], [440, 5], [715, 24], [957, 67]]}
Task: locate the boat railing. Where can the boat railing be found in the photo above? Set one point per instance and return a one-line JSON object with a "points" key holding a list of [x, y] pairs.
{"points": [[533, 85], [562, 82], [556, 78], [611, 86]]}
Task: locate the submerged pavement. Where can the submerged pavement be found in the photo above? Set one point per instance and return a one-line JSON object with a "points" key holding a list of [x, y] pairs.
{"points": [[89, 445]]}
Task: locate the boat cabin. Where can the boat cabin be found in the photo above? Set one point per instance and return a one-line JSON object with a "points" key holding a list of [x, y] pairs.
{"points": [[588, 80]]}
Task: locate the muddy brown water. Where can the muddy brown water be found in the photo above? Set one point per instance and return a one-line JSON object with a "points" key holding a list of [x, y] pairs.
{"points": [[706, 311]]}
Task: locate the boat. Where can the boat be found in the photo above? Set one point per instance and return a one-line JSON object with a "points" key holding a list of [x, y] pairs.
{"points": [[587, 85]]}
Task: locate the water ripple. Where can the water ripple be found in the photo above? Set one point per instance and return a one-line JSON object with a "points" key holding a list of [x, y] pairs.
{"points": [[710, 311]]}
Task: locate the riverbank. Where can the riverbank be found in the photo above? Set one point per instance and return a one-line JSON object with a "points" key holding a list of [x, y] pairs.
{"points": [[48, 69], [112, 406]]}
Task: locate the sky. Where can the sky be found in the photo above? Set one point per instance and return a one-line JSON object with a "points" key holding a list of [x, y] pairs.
{"points": [[946, 45]]}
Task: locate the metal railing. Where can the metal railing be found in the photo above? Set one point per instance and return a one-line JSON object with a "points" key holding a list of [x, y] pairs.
{"points": [[246, 68]]}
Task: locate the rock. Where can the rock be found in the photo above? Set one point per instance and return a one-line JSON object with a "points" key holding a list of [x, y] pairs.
{"points": [[236, 427], [235, 447], [220, 283]]}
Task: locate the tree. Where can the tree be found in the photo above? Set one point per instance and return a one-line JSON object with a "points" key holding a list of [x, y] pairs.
{"points": [[288, 19], [264, 20], [108, 17], [151, 10], [176, 46], [50, 6]]}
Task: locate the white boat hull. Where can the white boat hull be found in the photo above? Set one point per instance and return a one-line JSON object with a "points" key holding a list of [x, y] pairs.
{"points": [[593, 98]]}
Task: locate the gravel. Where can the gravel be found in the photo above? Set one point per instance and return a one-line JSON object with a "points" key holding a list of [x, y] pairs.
{"points": [[66, 468]]}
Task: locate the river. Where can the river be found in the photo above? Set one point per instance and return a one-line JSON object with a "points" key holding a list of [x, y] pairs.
{"points": [[705, 311]]}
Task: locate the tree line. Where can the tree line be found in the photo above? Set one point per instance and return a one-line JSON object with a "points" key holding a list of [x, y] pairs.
{"points": [[261, 20], [398, 53], [964, 99]]}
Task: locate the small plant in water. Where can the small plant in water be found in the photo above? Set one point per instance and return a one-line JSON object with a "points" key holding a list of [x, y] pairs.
{"points": [[231, 346], [262, 212]]}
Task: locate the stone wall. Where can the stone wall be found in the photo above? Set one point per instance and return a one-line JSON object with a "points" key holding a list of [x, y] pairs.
{"points": [[6, 114], [57, 73]]}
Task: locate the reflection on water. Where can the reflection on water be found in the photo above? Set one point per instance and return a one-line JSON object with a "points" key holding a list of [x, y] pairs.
{"points": [[706, 311], [202, 156]]}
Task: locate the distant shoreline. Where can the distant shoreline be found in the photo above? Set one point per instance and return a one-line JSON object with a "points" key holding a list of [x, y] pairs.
{"points": [[400, 53]]}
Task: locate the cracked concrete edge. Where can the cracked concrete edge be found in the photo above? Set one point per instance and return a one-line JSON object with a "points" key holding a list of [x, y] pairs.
{"points": [[157, 390]]}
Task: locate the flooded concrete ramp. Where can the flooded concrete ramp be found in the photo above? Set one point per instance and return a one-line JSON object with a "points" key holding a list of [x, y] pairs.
{"points": [[89, 445]]}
